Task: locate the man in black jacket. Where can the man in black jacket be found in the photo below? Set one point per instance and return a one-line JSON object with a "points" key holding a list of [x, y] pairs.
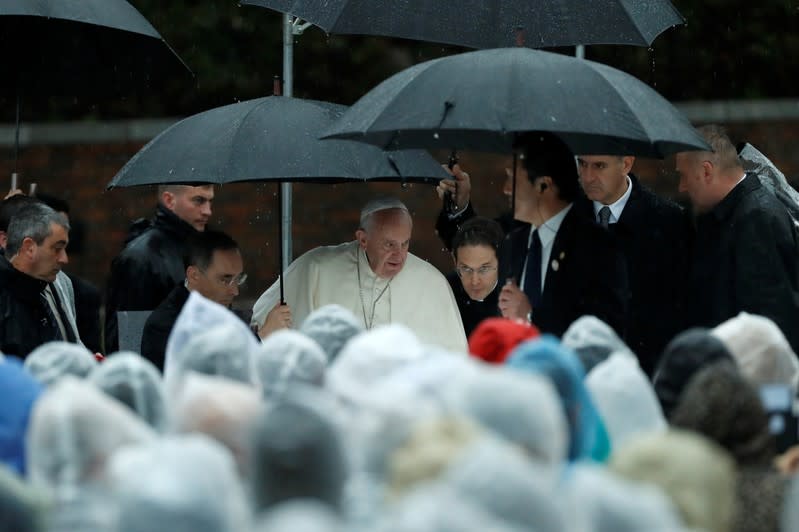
{"points": [[745, 253], [564, 266], [214, 269], [32, 309], [654, 234], [151, 265]]}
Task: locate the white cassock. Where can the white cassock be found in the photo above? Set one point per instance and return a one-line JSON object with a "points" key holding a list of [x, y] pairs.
{"points": [[418, 297]]}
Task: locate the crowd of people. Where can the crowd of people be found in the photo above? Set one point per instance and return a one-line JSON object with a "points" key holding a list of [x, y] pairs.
{"points": [[598, 359]]}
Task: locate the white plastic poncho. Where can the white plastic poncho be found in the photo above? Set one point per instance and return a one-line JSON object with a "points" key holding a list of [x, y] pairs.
{"points": [[625, 399], [760, 348], [52, 360], [286, 357], [74, 428], [331, 326], [179, 484], [593, 340], [208, 338], [135, 382]]}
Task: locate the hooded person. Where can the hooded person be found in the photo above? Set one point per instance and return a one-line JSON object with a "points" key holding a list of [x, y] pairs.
{"points": [[20, 392], [522, 408], [625, 398], [696, 474], [588, 438], [761, 350], [297, 453], [722, 405], [74, 430], [178, 483], [304, 515], [687, 353], [494, 338], [604, 502], [221, 408], [51, 361], [286, 357], [593, 341], [331, 326], [135, 382], [208, 338]]}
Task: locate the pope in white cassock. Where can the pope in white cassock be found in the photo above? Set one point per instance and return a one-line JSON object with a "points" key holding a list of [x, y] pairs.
{"points": [[376, 278]]}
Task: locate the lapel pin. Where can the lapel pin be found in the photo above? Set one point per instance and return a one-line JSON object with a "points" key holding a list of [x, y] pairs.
{"points": [[555, 265]]}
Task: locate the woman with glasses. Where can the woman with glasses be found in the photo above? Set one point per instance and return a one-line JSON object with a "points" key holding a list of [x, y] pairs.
{"points": [[474, 281]]}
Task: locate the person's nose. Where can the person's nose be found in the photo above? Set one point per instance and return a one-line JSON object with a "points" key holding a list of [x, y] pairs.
{"points": [[206, 209], [507, 187], [62, 257], [234, 289], [682, 187]]}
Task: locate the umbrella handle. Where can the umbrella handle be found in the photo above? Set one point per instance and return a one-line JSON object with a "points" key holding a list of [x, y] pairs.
{"points": [[449, 202], [280, 239]]}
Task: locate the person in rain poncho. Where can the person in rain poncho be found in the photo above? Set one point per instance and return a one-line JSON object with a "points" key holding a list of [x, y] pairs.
{"points": [[625, 398], [178, 484], [22, 508], [20, 392], [297, 453], [74, 430], [221, 408], [601, 501], [696, 474], [760, 349], [494, 339], [745, 252], [686, 354], [208, 338], [288, 357], [588, 438], [304, 515], [522, 408], [593, 341], [135, 382], [331, 326], [376, 278], [51, 361], [722, 405]]}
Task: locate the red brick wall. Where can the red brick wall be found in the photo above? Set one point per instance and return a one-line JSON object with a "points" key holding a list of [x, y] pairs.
{"points": [[323, 214]]}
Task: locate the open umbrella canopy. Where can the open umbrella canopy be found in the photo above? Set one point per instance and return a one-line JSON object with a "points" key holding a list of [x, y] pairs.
{"points": [[483, 100], [79, 48], [268, 139], [491, 23]]}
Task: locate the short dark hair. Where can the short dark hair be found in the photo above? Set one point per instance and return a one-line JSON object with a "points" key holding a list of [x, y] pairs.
{"points": [[34, 221], [545, 154], [478, 231], [201, 247], [10, 206], [57, 204]]}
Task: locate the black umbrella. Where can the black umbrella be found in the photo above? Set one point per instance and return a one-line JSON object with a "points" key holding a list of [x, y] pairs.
{"points": [[482, 100], [79, 48], [268, 139], [491, 23]]}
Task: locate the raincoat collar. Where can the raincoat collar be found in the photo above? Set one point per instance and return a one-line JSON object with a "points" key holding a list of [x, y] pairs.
{"points": [[22, 285], [725, 208], [169, 222]]}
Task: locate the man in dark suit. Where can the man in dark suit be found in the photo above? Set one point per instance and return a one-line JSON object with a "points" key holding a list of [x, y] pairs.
{"points": [[745, 253], [564, 266], [654, 236]]}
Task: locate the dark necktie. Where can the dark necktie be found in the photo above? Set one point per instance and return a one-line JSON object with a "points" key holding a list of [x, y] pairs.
{"points": [[604, 216], [532, 272]]}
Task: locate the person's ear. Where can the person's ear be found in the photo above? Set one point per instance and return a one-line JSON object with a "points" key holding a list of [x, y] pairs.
{"points": [[3, 239], [361, 237], [168, 199], [28, 246], [628, 161], [707, 172], [544, 184], [454, 258], [192, 273]]}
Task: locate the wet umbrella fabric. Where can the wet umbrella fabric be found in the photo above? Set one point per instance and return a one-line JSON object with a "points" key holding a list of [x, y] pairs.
{"points": [[483, 100], [491, 23], [58, 48], [268, 139]]}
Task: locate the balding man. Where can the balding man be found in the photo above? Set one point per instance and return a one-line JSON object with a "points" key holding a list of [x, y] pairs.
{"points": [[151, 265], [376, 278], [745, 253]]}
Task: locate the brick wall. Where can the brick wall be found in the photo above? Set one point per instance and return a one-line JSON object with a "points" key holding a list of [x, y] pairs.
{"points": [[323, 214]]}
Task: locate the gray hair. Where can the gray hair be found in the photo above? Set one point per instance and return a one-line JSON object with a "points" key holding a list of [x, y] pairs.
{"points": [[32, 221], [380, 204]]}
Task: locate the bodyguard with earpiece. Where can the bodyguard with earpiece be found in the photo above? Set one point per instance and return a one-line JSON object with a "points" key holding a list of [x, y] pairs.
{"points": [[564, 266]]}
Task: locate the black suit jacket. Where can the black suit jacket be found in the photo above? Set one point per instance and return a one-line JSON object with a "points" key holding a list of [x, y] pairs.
{"points": [[586, 275], [745, 259], [159, 324], [655, 237]]}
